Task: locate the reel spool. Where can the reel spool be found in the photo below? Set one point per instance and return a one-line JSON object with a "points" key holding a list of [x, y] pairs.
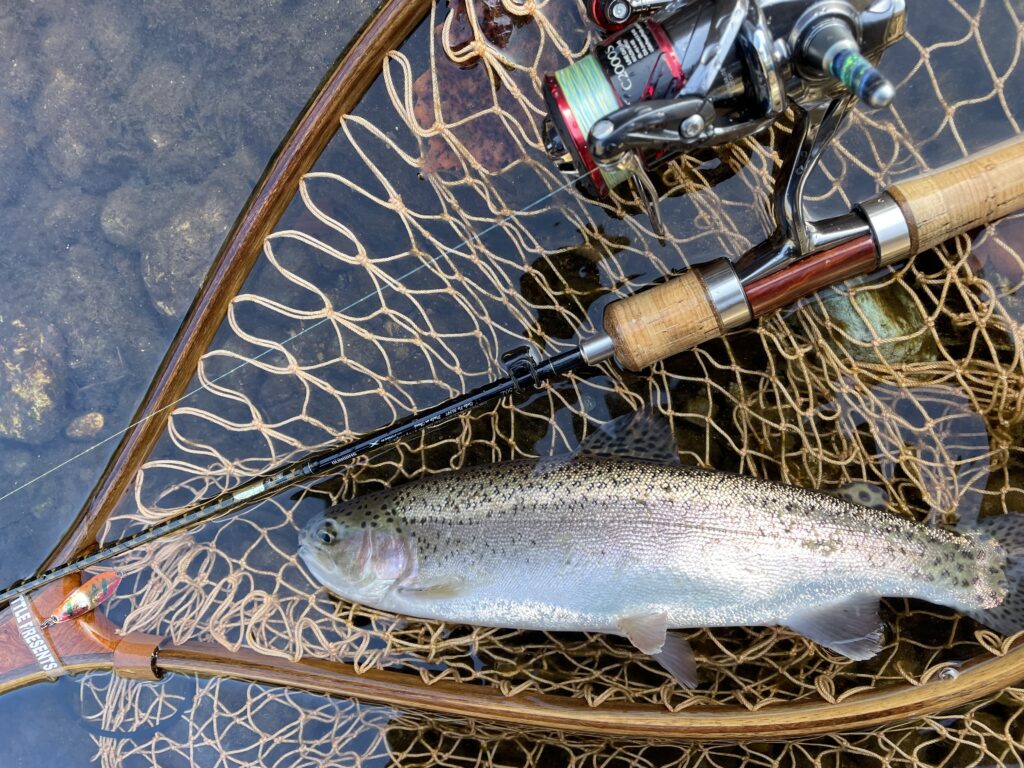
{"points": [[704, 72]]}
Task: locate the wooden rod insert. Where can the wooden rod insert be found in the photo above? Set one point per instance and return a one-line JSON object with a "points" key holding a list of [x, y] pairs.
{"points": [[810, 275]]}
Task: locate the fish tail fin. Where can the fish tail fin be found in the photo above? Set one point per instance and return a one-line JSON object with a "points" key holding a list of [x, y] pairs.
{"points": [[1001, 572]]}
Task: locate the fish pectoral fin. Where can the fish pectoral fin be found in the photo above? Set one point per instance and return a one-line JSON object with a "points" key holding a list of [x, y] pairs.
{"points": [[434, 590], [649, 633], [851, 628]]}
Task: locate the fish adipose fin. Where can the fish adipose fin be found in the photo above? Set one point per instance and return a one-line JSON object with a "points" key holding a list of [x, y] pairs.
{"points": [[642, 435], [863, 493], [850, 628], [1008, 531], [649, 633]]}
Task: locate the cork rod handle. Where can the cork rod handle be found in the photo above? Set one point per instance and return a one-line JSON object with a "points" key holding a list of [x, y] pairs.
{"points": [[962, 196], [661, 321]]}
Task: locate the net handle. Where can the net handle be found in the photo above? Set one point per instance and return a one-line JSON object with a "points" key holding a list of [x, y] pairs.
{"points": [[94, 643]]}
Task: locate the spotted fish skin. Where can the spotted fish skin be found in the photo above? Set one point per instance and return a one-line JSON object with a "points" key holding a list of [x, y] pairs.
{"points": [[588, 543]]}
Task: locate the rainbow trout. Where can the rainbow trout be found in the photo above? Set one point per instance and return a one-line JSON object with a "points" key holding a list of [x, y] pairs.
{"points": [[608, 542]]}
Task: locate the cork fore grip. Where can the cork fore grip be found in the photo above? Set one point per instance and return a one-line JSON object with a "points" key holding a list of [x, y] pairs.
{"points": [[661, 321], [962, 196]]}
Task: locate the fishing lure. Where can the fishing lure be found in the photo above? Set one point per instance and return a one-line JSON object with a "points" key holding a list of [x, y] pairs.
{"points": [[86, 598]]}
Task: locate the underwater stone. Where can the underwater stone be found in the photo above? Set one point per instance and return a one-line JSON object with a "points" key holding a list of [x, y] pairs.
{"points": [[86, 426], [98, 43], [68, 216], [125, 212], [87, 54], [111, 333], [11, 154], [32, 375], [162, 94], [19, 68], [83, 132], [179, 254], [182, 138], [887, 312]]}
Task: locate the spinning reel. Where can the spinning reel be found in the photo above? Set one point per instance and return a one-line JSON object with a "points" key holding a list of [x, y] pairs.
{"points": [[699, 73]]}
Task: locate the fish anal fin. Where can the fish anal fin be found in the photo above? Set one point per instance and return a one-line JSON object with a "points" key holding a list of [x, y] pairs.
{"points": [[851, 628]]}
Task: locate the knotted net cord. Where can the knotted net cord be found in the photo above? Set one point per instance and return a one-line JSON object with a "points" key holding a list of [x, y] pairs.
{"points": [[913, 382]]}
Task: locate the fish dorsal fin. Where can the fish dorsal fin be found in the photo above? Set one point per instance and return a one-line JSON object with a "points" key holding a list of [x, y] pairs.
{"points": [[642, 435], [649, 633], [851, 628]]}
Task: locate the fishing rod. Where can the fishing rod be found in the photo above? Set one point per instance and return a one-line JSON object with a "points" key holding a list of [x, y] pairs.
{"points": [[697, 305]]}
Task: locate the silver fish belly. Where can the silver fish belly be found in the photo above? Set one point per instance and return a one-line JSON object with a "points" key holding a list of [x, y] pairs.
{"points": [[606, 544]]}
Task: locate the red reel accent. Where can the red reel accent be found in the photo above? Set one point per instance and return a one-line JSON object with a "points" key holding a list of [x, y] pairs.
{"points": [[578, 139]]}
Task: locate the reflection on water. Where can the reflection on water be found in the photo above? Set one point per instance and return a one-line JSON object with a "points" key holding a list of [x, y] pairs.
{"points": [[130, 137]]}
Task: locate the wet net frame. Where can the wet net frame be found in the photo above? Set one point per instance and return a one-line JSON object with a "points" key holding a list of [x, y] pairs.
{"points": [[926, 402]]}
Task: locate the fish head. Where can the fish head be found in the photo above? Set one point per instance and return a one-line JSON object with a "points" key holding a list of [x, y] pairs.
{"points": [[356, 551]]}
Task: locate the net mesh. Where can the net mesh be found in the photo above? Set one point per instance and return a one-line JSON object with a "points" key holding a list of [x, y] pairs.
{"points": [[432, 236]]}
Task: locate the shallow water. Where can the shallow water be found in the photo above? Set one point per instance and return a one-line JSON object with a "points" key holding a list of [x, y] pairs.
{"points": [[567, 274], [130, 137]]}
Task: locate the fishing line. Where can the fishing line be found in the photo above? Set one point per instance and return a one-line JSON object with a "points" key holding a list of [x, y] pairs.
{"points": [[472, 238]]}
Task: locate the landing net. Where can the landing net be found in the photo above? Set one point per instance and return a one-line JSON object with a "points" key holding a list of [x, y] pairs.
{"points": [[913, 382]]}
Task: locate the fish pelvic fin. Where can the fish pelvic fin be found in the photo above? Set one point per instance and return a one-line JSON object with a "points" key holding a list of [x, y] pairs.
{"points": [[999, 577], [649, 633], [676, 658], [851, 627]]}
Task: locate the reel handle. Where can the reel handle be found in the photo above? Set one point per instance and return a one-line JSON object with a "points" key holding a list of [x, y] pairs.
{"points": [[962, 196]]}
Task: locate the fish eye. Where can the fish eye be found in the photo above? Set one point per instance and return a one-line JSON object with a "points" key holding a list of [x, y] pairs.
{"points": [[325, 534]]}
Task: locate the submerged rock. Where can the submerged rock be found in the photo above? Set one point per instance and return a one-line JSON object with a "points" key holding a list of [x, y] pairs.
{"points": [[175, 125], [19, 66], [178, 229], [111, 332], [32, 376], [10, 155], [86, 426], [880, 325], [179, 254]]}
